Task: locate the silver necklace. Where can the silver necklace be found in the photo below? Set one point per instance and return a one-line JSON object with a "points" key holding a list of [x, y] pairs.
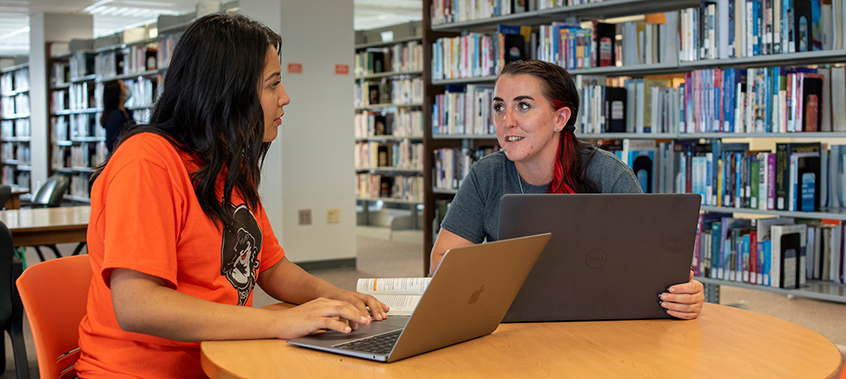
{"points": [[519, 181]]}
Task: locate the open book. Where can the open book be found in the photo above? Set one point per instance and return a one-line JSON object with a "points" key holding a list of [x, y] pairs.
{"points": [[401, 294]]}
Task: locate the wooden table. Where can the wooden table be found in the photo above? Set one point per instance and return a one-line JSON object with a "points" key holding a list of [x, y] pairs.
{"points": [[44, 226], [14, 201], [723, 342]]}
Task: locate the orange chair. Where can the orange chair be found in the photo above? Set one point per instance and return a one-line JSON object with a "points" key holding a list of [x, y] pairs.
{"points": [[54, 294]]}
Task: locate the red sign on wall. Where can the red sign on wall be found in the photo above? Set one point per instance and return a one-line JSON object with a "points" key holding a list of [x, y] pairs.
{"points": [[295, 68], [342, 69]]}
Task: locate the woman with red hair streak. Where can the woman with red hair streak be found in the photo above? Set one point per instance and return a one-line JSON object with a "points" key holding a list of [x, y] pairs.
{"points": [[534, 111]]}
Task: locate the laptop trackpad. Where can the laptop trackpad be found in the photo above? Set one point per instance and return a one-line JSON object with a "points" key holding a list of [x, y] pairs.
{"points": [[375, 327]]}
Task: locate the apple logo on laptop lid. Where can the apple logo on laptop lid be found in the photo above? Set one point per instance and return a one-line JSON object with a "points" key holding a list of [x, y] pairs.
{"points": [[474, 297]]}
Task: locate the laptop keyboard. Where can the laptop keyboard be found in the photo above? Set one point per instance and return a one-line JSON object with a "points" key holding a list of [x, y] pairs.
{"points": [[380, 344]]}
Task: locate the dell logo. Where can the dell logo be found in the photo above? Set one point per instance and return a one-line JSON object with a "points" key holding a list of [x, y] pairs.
{"points": [[596, 259]]}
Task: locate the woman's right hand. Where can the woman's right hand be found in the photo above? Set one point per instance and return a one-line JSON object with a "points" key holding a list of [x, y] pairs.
{"points": [[320, 314]]}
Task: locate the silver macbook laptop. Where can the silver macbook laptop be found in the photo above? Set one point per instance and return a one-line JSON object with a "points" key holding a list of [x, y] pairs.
{"points": [[467, 297], [609, 257]]}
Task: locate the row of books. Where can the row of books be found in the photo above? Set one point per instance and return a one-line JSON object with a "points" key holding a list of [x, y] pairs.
{"points": [[775, 252], [550, 4], [14, 80], [18, 152], [753, 100], [741, 28], [400, 155], [82, 64], [398, 187], [86, 125], [85, 95], [400, 123], [797, 177], [569, 45], [86, 154], [126, 61], [12, 176], [449, 11], [398, 91], [143, 92], [641, 106], [451, 165], [402, 57], [80, 185], [165, 51], [765, 100], [142, 115], [15, 128], [60, 74], [463, 109], [59, 101], [14, 106]]}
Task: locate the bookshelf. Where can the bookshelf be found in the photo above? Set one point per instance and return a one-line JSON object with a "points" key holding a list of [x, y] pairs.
{"points": [[77, 80], [389, 118], [15, 129], [435, 29]]}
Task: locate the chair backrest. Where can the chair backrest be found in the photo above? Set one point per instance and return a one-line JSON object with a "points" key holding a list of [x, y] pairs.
{"points": [[54, 295], [5, 194], [7, 252], [51, 192]]}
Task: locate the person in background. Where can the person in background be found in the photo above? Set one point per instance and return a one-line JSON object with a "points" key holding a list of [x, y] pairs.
{"points": [[115, 118], [535, 105], [178, 237]]}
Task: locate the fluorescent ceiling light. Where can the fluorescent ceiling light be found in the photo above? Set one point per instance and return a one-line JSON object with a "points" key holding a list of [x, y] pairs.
{"points": [[15, 33]]}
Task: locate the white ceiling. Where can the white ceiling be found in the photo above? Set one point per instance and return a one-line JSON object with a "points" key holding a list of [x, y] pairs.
{"points": [[111, 16]]}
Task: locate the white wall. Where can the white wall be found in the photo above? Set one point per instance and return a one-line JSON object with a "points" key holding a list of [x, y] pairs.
{"points": [[47, 27], [314, 150]]}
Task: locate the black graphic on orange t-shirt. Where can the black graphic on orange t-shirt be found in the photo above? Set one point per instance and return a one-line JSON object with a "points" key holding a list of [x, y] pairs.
{"points": [[239, 252]]}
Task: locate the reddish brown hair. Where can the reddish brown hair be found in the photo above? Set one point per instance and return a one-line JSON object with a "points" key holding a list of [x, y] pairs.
{"points": [[559, 88]]}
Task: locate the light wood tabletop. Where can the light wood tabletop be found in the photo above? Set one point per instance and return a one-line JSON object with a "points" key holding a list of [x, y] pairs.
{"points": [[44, 226], [723, 342]]}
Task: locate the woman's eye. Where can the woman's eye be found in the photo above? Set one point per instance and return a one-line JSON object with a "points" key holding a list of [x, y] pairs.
{"points": [[497, 107], [523, 106]]}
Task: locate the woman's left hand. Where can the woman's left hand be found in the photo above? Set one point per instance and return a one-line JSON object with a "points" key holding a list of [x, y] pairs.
{"points": [[684, 300], [378, 310]]}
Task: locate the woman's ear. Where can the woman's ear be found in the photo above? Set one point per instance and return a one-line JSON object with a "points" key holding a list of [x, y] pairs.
{"points": [[563, 116]]}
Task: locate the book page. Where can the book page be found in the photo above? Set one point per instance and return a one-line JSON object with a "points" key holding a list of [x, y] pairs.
{"points": [[401, 305], [392, 286]]}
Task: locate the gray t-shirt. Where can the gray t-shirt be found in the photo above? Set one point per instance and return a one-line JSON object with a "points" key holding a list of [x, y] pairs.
{"points": [[474, 212]]}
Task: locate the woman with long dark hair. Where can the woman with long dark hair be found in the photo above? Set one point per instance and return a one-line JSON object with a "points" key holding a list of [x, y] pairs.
{"points": [[178, 237], [115, 118], [534, 112]]}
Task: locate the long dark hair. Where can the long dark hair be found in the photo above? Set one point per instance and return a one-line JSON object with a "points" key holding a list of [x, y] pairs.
{"points": [[559, 88], [111, 99], [210, 107]]}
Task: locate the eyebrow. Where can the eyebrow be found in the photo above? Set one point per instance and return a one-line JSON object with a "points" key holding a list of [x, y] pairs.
{"points": [[273, 76], [518, 98]]}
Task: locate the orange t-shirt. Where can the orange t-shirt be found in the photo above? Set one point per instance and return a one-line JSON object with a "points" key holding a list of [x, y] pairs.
{"points": [[146, 217]]}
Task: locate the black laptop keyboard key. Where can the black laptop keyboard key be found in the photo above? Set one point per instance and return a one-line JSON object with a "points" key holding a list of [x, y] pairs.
{"points": [[379, 344]]}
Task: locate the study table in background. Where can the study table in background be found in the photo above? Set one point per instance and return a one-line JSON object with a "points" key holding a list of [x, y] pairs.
{"points": [[14, 201], [44, 226], [723, 342]]}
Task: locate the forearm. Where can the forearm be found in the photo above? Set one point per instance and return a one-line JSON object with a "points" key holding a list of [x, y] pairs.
{"points": [[290, 283], [144, 306]]}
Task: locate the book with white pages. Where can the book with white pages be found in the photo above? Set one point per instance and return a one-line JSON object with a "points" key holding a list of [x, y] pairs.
{"points": [[400, 294]]}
